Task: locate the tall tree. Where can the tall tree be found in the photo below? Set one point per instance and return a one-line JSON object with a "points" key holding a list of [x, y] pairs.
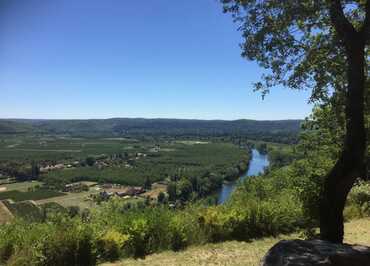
{"points": [[319, 45]]}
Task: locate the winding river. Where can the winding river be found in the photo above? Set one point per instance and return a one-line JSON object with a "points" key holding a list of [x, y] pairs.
{"points": [[256, 166]]}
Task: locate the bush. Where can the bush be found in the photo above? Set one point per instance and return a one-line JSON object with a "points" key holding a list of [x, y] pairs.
{"points": [[179, 238], [67, 243], [139, 231], [111, 245], [70, 245], [358, 203], [360, 194]]}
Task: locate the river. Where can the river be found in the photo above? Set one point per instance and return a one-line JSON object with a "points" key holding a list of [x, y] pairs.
{"points": [[256, 166]]}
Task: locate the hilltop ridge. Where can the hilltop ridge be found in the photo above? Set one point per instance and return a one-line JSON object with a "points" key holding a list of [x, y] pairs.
{"points": [[153, 127]]}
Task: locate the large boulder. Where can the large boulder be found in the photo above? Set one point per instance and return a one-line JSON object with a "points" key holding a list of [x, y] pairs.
{"points": [[316, 252]]}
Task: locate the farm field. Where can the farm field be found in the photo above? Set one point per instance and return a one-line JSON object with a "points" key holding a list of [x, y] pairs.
{"points": [[21, 186], [169, 160], [19, 192], [80, 199], [58, 147], [16, 195], [61, 160]]}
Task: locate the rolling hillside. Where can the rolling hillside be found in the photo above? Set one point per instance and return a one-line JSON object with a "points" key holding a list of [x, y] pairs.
{"points": [[152, 127]]}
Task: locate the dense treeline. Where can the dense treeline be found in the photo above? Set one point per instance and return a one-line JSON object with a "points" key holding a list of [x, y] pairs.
{"points": [[279, 131], [21, 170]]}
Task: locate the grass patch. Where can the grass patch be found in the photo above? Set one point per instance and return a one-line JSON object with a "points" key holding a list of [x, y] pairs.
{"points": [[16, 195], [72, 199], [22, 186], [5, 214], [26, 210]]}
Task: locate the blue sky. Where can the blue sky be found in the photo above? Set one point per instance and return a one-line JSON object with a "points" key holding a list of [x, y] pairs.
{"points": [[113, 58]]}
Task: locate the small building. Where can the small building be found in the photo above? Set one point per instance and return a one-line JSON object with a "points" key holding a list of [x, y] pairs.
{"points": [[107, 186], [121, 194], [134, 191], [76, 187], [129, 192]]}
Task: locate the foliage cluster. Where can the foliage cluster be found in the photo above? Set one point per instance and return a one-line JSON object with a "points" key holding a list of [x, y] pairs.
{"points": [[114, 231]]}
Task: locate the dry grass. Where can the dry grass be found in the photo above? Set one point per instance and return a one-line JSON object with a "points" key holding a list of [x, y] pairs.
{"points": [[21, 186], [5, 214], [156, 189], [238, 253], [358, 232], [80, 199]]}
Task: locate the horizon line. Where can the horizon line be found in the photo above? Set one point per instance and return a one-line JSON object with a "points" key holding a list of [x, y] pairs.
{"points": [[155, 118]]}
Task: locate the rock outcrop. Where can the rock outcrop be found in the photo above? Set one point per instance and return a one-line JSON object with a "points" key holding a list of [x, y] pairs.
{"points": [[316, 252]]}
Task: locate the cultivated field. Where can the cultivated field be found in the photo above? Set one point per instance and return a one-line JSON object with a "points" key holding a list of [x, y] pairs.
{"points": [[58, 148], [29, 195], [157, 164], [81, 199], [21, 186]]}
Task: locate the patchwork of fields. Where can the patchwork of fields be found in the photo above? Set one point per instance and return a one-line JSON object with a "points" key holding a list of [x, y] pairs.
{"points": [[162, 159], [58, 148], [122, 161]]}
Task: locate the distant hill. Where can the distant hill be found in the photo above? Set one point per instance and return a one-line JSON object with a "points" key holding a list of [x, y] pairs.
{"points": [[11, 127], [151, 127]]}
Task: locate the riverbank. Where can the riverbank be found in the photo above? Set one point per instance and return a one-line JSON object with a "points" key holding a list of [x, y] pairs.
{"points": [[256, 166]]}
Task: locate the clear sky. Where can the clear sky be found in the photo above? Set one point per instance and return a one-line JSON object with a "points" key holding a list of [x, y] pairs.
{"points": [[118, 58]]}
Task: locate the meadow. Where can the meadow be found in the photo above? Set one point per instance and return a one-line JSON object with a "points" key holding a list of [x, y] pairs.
{"points": [[22, 186], [29, 195]]}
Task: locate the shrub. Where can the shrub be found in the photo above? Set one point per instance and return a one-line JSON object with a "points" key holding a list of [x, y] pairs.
{"points": [[352, 212], [138, 232], [111, 244], [72, 243], [179, 239], [67, 243], [360, 193], [358, 204]]}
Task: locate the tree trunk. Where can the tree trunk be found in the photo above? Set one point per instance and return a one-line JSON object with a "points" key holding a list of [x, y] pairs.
{"points": [[351, 163]]}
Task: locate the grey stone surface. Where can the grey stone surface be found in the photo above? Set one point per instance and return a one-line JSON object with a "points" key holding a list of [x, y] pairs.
{"points": [[316, 252]]}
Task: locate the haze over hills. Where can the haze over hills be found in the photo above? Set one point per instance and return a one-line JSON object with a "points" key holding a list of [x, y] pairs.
{"points": [[141, 126]]}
